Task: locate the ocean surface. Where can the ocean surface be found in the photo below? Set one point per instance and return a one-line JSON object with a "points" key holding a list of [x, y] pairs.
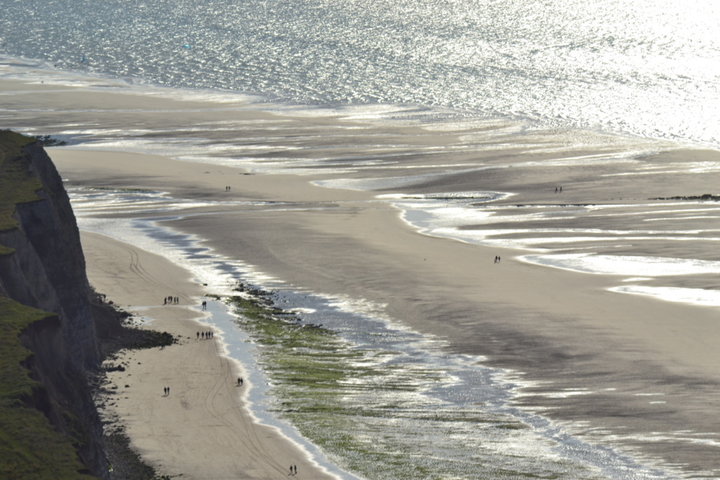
{"points": [[649, 71], [643, 68]]}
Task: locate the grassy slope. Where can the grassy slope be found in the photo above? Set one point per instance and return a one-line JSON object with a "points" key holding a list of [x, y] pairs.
{"points": [[29, 446], [17, 185]]}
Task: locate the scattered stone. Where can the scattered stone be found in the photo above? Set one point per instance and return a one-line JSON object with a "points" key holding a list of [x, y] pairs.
{"points": [[703, 197]]}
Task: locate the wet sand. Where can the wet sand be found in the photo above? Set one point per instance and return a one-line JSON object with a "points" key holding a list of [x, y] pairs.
{"points": [[641, 365], [633, 371]]}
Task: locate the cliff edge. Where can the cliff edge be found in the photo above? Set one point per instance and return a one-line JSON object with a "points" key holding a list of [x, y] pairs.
{"points": [[49, 348]]}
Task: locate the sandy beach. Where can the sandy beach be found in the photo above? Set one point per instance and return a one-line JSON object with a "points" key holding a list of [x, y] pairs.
{"points": [[610, 367], [561, 328], [202, 428]]}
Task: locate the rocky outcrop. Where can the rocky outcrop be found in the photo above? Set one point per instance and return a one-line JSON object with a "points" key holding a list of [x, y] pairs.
{"points": [[705, 197], [42, 266]]}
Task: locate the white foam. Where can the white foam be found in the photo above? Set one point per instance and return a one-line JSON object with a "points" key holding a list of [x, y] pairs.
{"points": [[694, 296], [364, 184], [624, 264]]}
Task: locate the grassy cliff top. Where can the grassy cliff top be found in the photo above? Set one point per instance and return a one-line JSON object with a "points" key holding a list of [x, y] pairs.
{"points": [[29, 446], [17, 184]]}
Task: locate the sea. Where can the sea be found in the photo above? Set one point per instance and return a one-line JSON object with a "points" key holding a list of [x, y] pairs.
{"points": [[641, 68], [648, 71]]}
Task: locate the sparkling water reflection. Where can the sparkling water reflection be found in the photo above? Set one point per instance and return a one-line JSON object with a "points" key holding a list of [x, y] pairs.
{"points": [[647, 68]]}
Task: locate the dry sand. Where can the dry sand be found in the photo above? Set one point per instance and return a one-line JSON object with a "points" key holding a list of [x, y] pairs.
{"points": [[202, 429]]}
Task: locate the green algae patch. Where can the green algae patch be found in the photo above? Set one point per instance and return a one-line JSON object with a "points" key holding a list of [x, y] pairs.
{"points": [[29, 445], [372, 410]]}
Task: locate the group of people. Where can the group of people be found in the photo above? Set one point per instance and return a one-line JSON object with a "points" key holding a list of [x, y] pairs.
{"points": [[166, 390], [293, 469], [227, 188], [558, 189], [170, 300], [204, 335], [497, 259]]}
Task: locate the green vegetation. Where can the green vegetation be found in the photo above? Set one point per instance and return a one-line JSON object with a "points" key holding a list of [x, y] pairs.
{"points": [[307, 355], [29, 446], [369, 411], [17, 184], [334, 393]]}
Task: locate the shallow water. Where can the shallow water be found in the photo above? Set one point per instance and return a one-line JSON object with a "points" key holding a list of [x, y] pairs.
{"points": [[573, 236], [360, 155], [339, 374]]}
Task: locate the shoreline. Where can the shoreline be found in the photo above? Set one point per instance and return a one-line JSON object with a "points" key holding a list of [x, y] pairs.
{"points": [[563, 331], [389, 221], [166, 429]]}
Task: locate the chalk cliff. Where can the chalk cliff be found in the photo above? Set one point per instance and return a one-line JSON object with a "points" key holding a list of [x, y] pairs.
{"points": [[42, 268]]}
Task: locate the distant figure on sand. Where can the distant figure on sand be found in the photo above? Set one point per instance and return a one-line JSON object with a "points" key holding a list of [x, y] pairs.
{"points": [[240, 382], [204, 305]]}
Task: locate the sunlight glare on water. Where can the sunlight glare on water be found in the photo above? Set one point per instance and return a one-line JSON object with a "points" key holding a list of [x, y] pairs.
{"points": [[645, 68]]}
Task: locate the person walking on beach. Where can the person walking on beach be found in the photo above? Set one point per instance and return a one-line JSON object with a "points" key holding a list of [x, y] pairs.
{"points": [[240, 382], [204, 305]]}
